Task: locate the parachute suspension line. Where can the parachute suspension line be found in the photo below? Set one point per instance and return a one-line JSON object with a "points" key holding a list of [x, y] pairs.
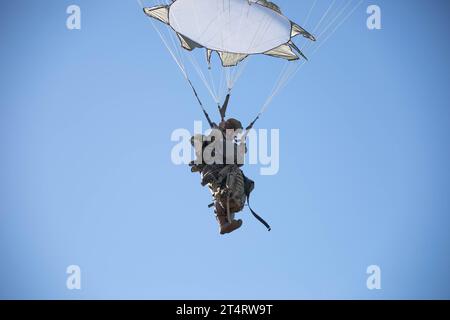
{"points": [[338, 26], [276, 84], [238, 72], [225, 70], [239, 69], [172, 36], [332, 32], [284, 78], [232, 74], [182, 69], [203, 78], [177, 61], [281, 79], [285, 70], [287, 74], [262, 29], [209, 85], [319, 24], [221, 85], [193, 61], [215, 90], [177, 48], [309, 14], [297, 68], [307, 44], [334, 20], [292, 75], [242, 66], [224, 74], [342, 21], [324, 16], [228, 77], [289, 71]]}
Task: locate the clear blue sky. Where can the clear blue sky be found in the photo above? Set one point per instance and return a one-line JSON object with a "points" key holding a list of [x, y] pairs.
{"points": [[86, 176]]}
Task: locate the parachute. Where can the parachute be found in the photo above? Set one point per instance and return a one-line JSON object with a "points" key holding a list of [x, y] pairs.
{"points": [[235, 29]]}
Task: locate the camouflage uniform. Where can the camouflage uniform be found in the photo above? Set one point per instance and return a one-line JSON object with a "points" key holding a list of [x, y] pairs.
{"points": [[225, 181]]}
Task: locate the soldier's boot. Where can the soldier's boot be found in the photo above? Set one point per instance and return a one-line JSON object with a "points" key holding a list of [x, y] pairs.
{"points": [[226, 226]]}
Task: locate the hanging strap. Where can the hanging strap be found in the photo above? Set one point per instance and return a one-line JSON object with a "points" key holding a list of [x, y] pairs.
{"points": [[248, 191], [256, 215]]}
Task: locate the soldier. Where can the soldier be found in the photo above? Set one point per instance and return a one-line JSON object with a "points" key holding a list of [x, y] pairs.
{"points": [[223, 176], [220, 170]]}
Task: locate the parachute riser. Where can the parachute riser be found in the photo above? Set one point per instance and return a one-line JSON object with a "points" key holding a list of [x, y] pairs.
{"points": [[200, 103]]}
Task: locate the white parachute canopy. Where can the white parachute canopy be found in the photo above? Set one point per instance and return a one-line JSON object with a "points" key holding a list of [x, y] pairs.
{"points": [[234, 29], [237, 29]]}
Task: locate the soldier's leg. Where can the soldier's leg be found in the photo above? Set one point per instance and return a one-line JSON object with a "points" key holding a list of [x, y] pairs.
{"points": [[222, 219]]}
